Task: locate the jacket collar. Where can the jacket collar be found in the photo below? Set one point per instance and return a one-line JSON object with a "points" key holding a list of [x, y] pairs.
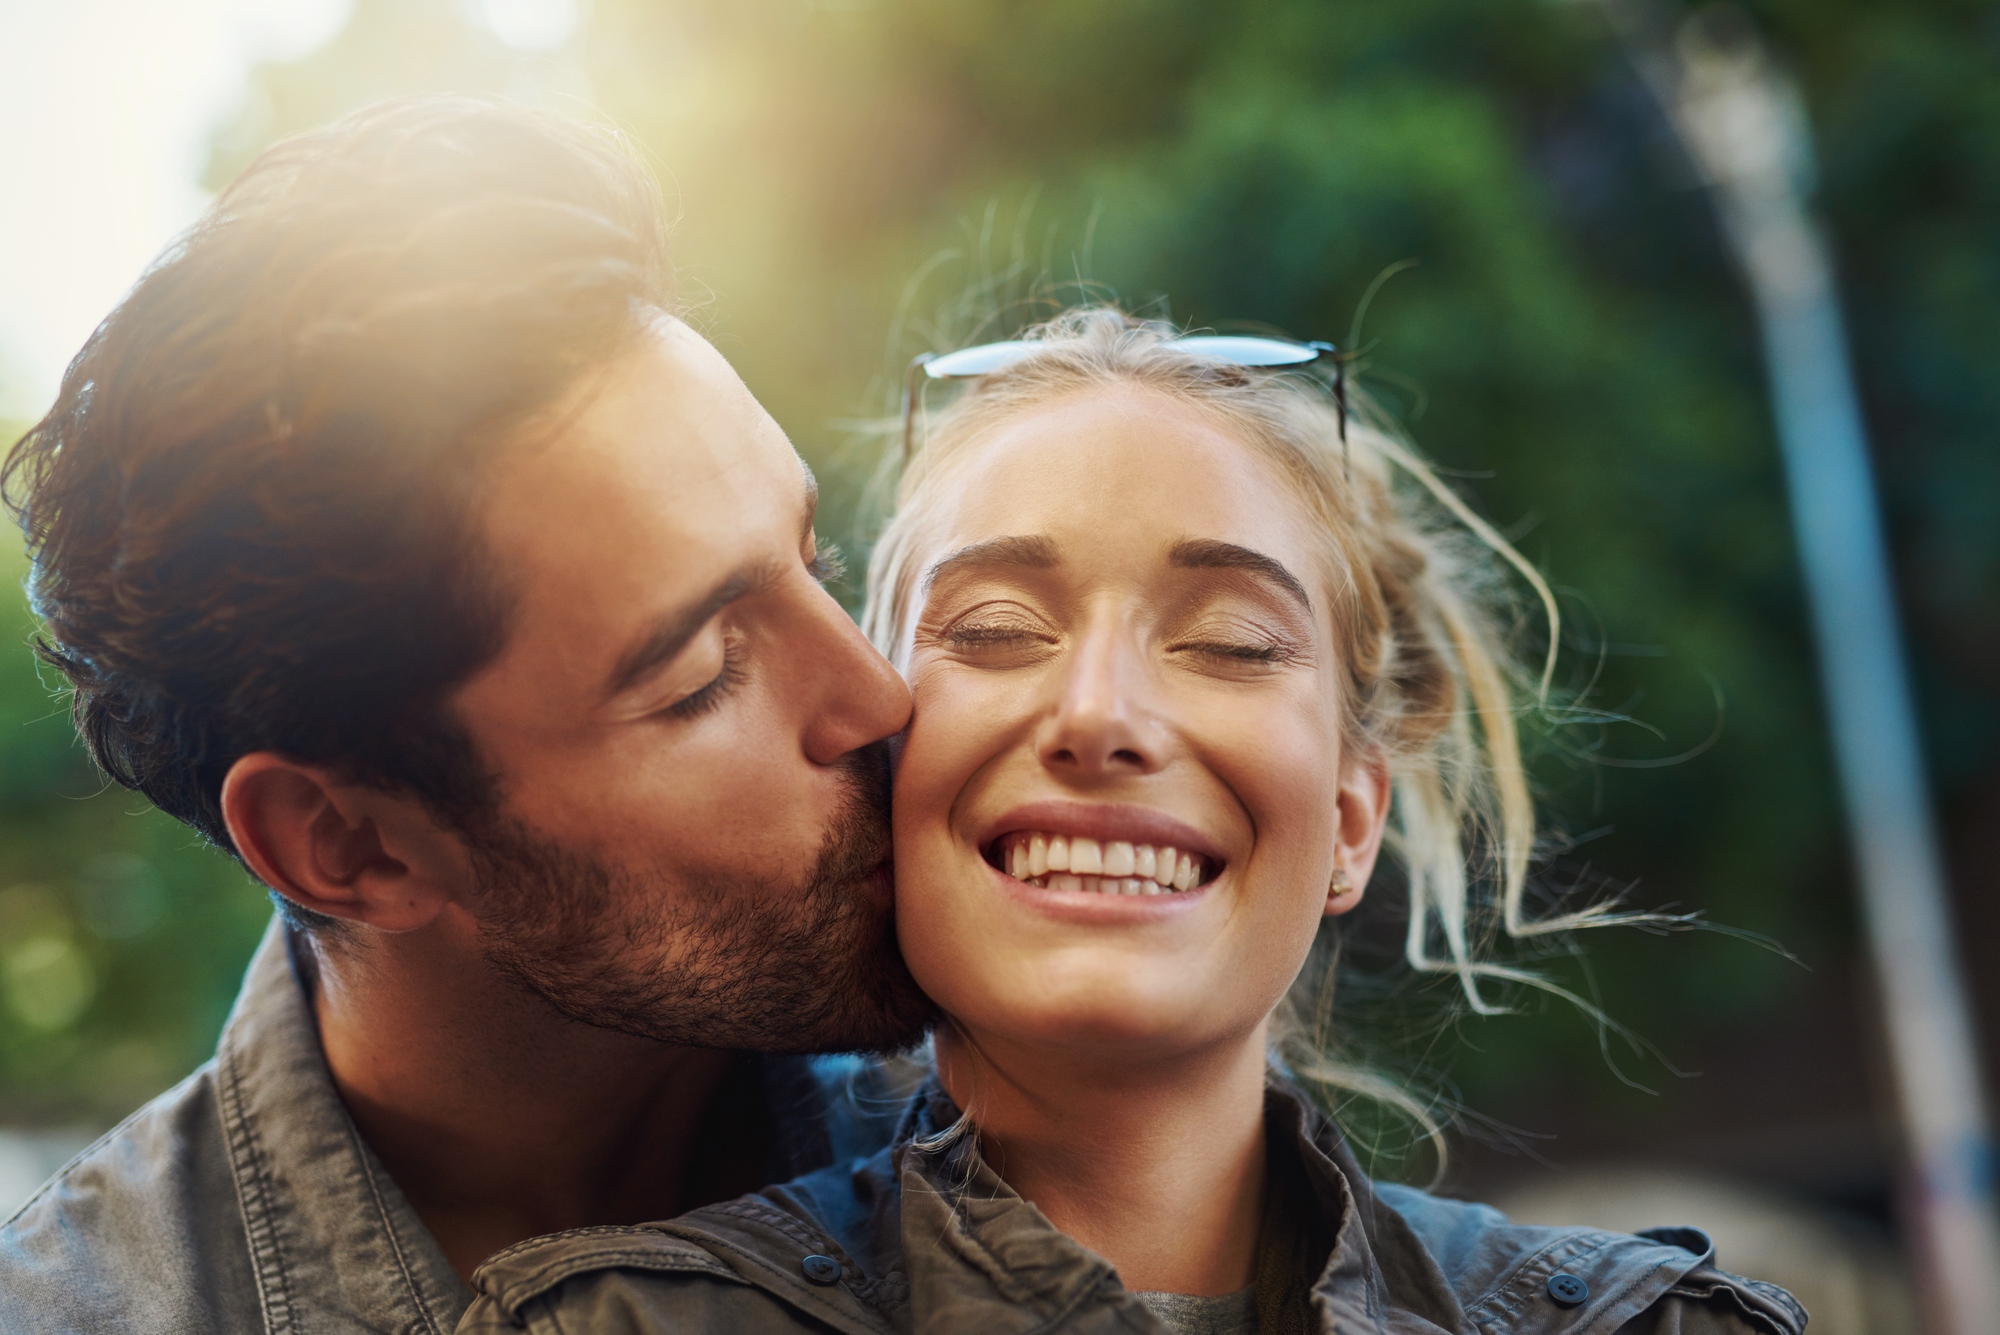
{"points": [[929, 1238], [334, 1245], [981, 1257], [972, 1244], [1406, 1261]]}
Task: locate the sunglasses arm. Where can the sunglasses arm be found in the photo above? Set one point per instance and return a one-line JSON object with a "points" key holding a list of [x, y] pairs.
{"points": [[910, 402]]}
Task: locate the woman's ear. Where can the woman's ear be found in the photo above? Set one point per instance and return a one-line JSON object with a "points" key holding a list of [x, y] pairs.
{"points": [[346, 850], [1363, 814]]}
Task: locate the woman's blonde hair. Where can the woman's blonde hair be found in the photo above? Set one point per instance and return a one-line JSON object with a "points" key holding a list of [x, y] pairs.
{"points": [[1421, 622]]}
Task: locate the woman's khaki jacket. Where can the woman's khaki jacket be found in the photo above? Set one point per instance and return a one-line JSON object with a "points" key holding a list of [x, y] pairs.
{"points": [[931, 1240]]}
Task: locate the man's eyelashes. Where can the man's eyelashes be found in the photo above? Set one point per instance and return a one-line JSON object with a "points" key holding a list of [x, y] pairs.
{"points": [[708, 697], [827, 564]]}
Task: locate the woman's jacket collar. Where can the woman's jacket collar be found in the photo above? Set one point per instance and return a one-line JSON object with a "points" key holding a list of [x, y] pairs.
{"points": [[927, 1237]]}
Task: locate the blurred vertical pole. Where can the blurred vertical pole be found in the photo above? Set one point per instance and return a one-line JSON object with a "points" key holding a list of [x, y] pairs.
{"points": [[1742, 122]]}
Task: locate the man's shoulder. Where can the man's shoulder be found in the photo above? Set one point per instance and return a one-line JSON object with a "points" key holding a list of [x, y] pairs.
{"points": [[140, 1231], [1499, 1268], [747, 1265], [820, 1251]]}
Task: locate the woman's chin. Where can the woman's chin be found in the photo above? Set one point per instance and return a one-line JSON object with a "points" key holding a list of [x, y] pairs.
{"points": [[1106, 1018]]}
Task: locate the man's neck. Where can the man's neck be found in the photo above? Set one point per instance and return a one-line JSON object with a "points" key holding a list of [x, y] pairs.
{"points": [[499, 1118], [1158, 1167]]}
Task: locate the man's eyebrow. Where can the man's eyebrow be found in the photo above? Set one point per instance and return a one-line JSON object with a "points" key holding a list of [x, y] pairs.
{"points": [[671, 633], [1209, 554], [1037, 553]]}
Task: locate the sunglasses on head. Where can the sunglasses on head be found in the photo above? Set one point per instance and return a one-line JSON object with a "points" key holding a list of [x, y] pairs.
{"points": [[1227, 349]]}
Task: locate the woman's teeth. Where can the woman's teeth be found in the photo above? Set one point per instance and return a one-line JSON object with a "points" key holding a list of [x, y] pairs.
{"points": [[1059, 863]]}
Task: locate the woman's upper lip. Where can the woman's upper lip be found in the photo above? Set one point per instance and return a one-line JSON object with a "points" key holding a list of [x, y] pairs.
{"points": [[1104, 822]]}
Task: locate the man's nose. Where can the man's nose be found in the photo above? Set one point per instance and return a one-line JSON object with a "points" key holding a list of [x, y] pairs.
{"points": [[859, 698], [1102, 724]]}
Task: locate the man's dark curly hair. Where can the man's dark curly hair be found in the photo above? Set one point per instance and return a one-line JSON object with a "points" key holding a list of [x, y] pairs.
{"points": [[252, 508]]}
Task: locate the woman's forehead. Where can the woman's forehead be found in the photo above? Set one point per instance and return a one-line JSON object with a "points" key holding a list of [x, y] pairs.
{"points": [[1125, 473]]}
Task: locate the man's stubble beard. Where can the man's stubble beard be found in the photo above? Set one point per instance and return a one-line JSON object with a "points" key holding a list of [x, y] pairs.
{"points": [[739, 963]]}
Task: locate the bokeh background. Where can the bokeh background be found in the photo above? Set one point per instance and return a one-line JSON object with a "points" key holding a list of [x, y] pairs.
{"points": [[860, 180]]}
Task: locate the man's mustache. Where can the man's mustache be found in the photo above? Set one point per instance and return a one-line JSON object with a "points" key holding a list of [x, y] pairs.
{"points": [[869, 776]]}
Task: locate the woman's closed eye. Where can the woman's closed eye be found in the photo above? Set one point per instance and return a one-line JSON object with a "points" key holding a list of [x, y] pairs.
{"points": [[995, 628], [1242, 653], [1236, 644]]}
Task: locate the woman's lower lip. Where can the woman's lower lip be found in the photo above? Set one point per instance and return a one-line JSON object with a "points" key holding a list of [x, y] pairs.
{"points": [[1085, 906]]}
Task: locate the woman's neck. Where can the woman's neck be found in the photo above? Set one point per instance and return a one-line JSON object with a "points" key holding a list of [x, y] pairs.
{"points": [[1157, 1167]]}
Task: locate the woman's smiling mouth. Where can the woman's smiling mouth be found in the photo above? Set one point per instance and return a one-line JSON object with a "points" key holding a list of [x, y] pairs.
{"points": [[1111, 867], [1077, 852]]}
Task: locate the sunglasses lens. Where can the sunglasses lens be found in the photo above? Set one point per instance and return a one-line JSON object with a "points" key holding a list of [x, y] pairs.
{"points": [[1239, 351], [982, 360], [1230, 349], [1233, 350]]}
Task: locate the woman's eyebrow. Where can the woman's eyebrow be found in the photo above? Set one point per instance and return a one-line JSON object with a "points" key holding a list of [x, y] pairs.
{"points": [[1209, 554], [1037, 553]]}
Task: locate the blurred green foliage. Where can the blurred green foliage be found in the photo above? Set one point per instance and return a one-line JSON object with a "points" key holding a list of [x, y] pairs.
{"points": [[122, 937], [866, 179]]}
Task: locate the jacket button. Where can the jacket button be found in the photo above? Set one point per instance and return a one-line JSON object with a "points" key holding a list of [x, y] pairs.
{"points": [[1566, 1289], [821, 1269]]}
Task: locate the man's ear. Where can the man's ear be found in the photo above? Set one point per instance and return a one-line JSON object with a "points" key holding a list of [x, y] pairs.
{"points": [[346, 850], [1365, 790]]}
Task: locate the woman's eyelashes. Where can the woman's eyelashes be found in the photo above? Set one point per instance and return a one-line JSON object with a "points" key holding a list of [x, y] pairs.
{"points": [[706, 698], [1239, 652], [991, 628], [1270, 651], [1007, 632]]}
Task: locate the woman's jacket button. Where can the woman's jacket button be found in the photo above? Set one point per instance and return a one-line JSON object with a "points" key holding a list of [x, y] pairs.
{"points": [[821, 1269], [1566, 1289]]}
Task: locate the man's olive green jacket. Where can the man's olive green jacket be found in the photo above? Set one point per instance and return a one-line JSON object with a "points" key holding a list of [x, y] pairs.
{"points": [[925, 1239], [246, 1201]]}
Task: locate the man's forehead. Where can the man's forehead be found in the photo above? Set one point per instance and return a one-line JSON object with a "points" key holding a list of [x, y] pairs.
{"points": [[668, 427], [666, 476]]}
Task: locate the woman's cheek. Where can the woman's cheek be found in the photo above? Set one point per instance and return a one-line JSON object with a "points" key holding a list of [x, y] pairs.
{"points": [[940, 754], [1277, 750], [1281, 759], [926, 917]]}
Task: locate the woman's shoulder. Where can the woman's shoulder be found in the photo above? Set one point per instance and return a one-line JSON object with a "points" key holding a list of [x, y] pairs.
{"points": [[1505, 1274]]}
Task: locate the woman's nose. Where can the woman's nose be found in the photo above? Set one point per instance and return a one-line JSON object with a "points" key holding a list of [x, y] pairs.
{"points": [[1102, 724]]}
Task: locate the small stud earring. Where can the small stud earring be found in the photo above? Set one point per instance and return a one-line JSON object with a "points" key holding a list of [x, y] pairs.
{"points": [[1341, 884]]}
